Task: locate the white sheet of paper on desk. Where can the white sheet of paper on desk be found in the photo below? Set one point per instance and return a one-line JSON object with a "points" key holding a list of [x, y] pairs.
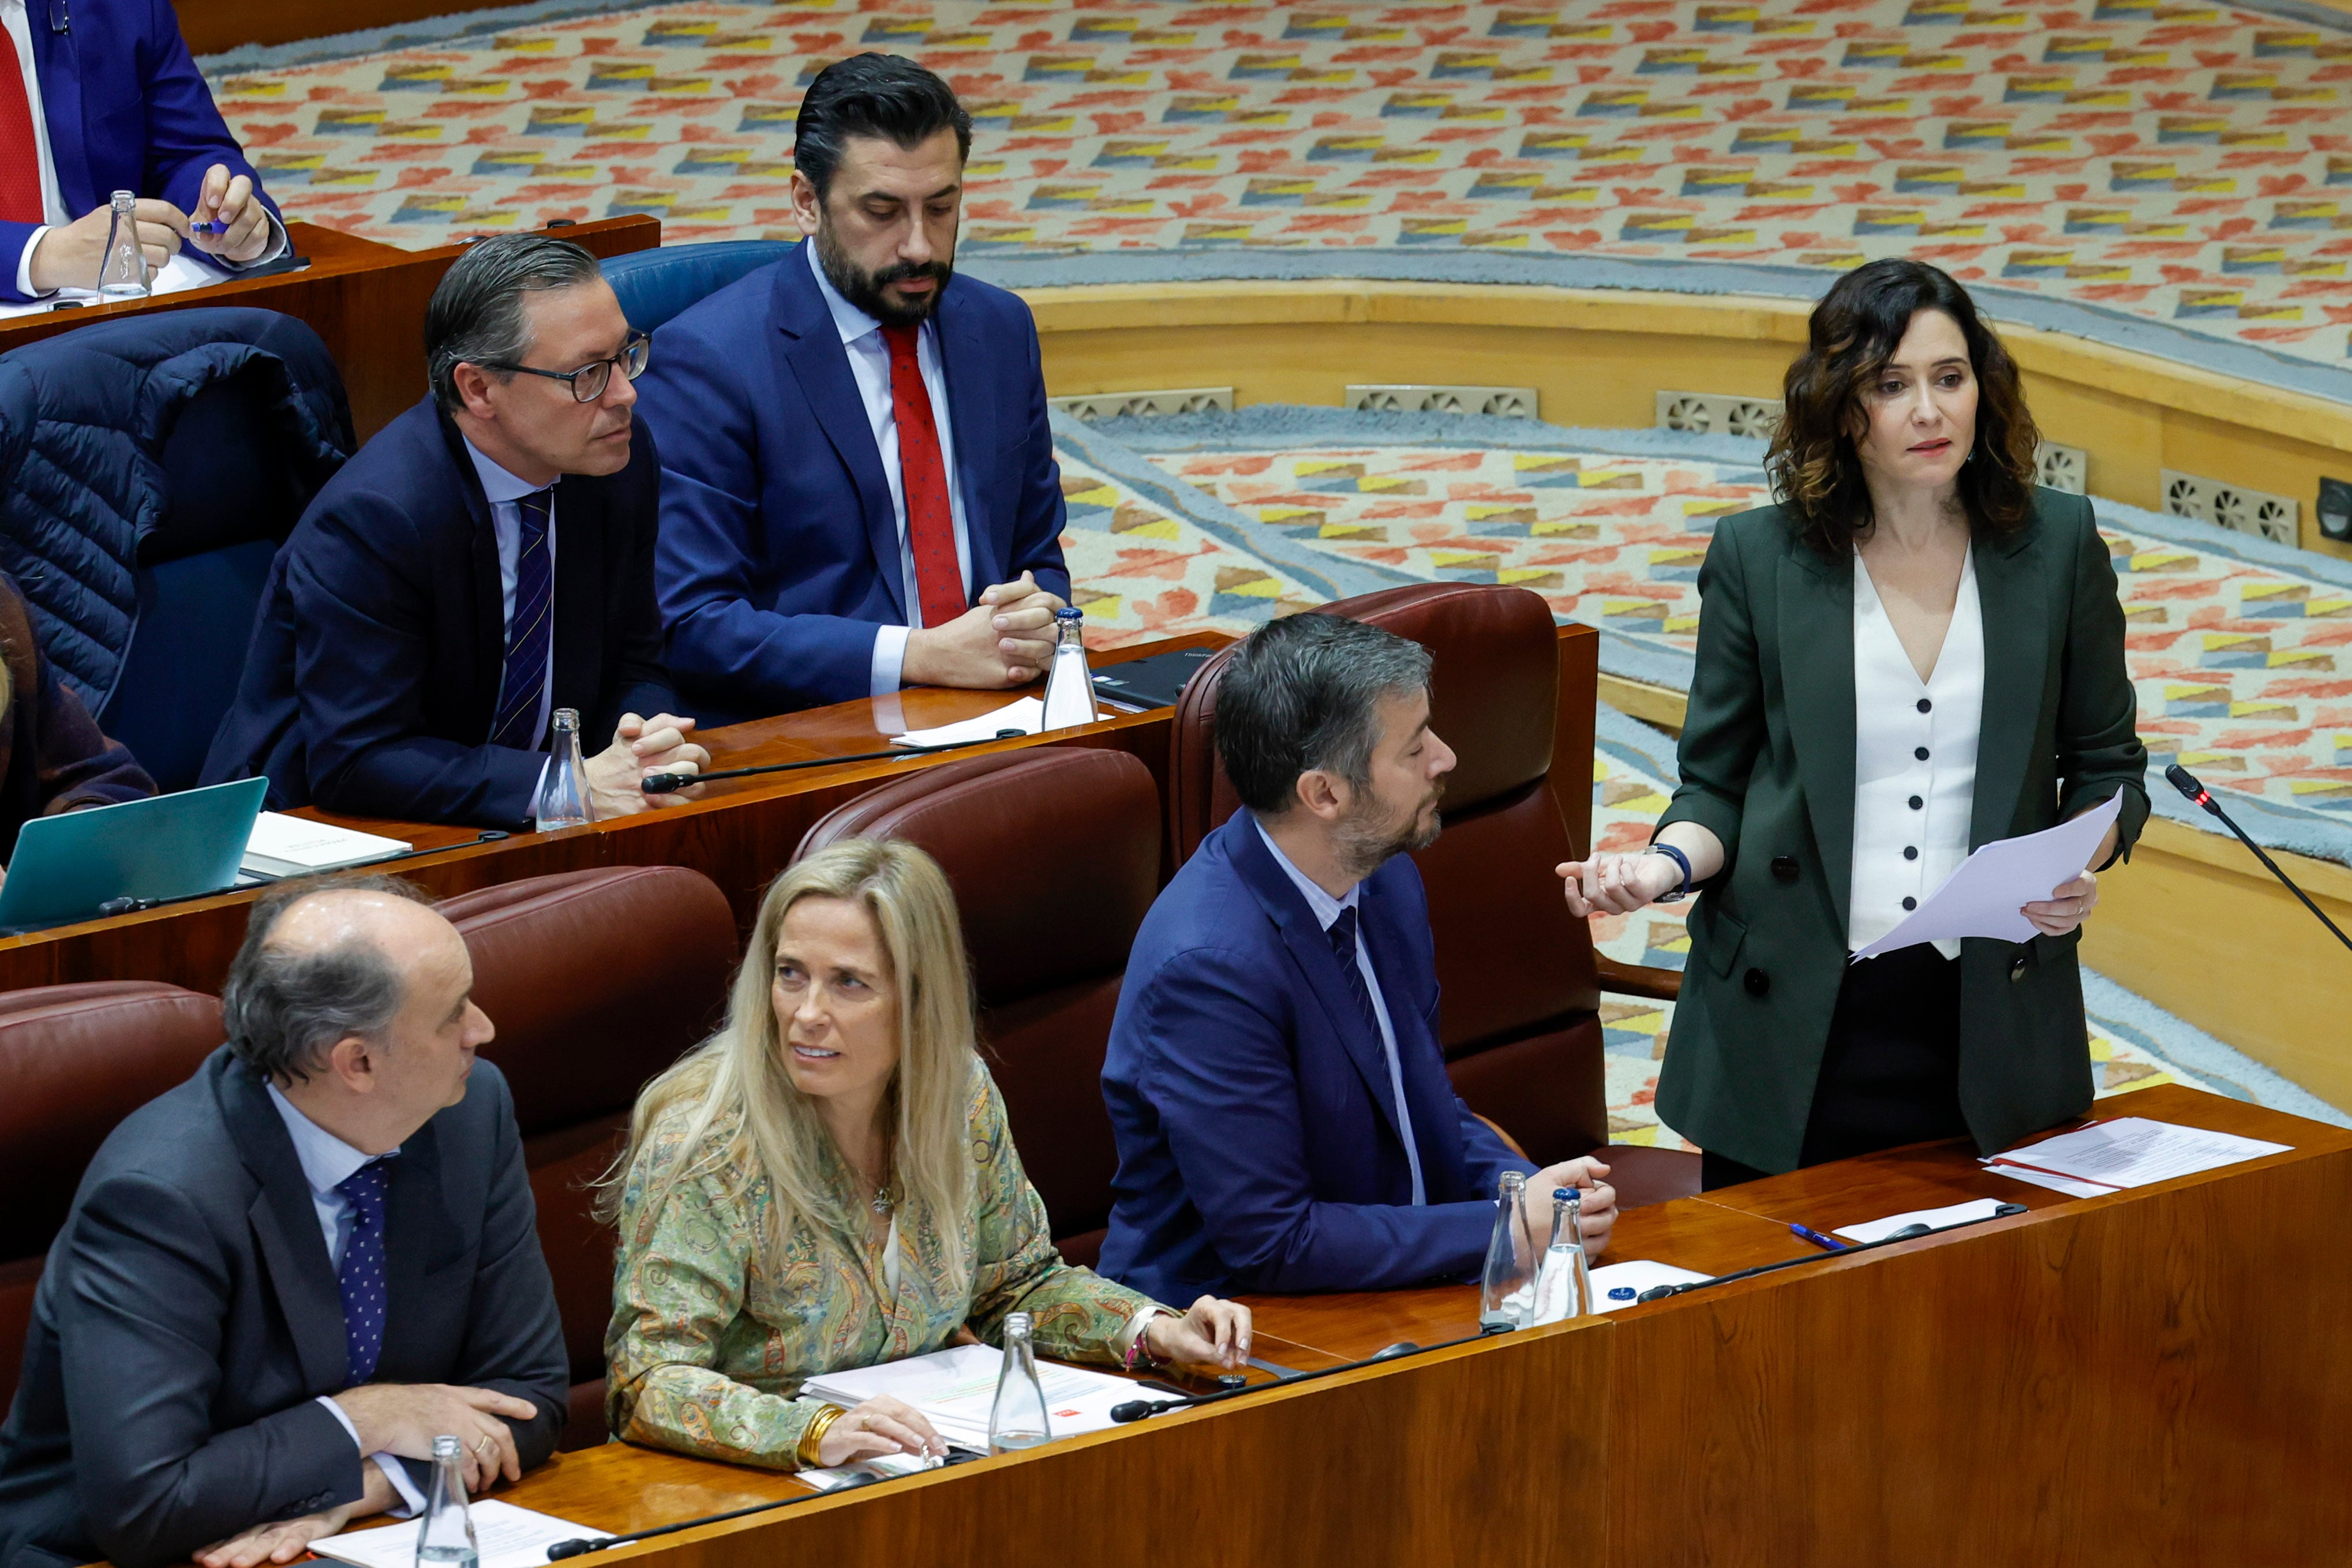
{"points": [[1982, 897], [882, 1467], [2131, 1151], [954, 1389], [1027, 716], [182, 272], [1933, 1218], [1637, 1276], [2066, 1185], [508, 1537]]}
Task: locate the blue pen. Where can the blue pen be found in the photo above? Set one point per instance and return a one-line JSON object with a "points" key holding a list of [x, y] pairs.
{"points": [[1817, 1238], [209, 228]]}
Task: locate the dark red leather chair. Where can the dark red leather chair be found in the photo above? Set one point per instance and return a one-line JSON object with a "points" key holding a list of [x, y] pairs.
{"points": [[74, 1062], [1522, 1032], [1055, 858], [596, 981]]}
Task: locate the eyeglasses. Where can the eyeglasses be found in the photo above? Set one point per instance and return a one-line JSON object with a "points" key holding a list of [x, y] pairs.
{"points": [[589, 382]]}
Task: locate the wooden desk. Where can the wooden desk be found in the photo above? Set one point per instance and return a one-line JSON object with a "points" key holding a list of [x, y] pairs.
{"points": [[740, 835], [2149, 1377], [365, 300]]}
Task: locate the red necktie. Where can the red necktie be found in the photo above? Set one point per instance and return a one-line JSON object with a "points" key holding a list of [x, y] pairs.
{"points": [[20, 158], [923, 479]]}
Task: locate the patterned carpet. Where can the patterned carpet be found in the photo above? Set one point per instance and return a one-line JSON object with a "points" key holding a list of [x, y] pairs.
{"points": [[2242, 651], [2138, 162]]}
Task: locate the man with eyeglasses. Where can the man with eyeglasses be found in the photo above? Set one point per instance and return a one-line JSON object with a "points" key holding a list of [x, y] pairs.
{"points": [[486, 559]]}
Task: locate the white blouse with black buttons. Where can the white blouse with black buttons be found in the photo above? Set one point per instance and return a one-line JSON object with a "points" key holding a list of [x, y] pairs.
{"points": [[1915, 759]]}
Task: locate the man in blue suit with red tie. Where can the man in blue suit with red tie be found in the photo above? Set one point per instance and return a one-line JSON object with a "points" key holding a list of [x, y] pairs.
{"points": [[1274, 1080], [100, 95], [858, 486]]}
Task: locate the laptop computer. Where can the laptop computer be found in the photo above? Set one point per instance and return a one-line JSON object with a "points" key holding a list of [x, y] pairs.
{"points": [[168, 846]]}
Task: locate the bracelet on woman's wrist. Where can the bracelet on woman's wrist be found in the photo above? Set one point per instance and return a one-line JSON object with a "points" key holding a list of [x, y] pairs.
{"points": [[812, 1435], [1680, 859]]}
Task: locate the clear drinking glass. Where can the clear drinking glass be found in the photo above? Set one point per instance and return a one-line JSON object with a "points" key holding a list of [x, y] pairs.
{"points": [[1564, 1289], [122, 270], [1502, 1289], [1017, 1420], [446, 1537], [1069, 686], [563, 800]]}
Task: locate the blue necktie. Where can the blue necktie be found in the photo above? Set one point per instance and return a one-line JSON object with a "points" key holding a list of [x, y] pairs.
{"points": [[530, 631], [360, 1277], [1342, 933]]}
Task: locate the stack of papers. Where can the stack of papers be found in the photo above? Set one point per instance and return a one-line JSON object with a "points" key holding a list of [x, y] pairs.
{"points": [[295, 846], [1933, 1218], [1027, 716], [955, 1389], [1983, 897], [2131, 1151], [508, 1537]]}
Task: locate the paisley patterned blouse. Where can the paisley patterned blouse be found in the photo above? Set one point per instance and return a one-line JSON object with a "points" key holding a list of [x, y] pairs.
{"points": [[707, 1347]]}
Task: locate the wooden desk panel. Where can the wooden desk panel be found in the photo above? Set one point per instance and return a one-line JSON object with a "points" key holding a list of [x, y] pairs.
{"points": [[366, 300], [741, 834]]}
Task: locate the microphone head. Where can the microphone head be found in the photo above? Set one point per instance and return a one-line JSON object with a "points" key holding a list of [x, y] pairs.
{"points": [[1390, 1353], [563, 1548], [2180, 779], [1133, 1410], [665, 783]]}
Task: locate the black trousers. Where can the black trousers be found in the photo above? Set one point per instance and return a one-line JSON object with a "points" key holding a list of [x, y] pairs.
{"points": [[1891, 1072]]}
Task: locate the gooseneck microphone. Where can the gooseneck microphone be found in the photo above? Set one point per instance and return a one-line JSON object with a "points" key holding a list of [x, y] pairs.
{"points": [[669, 783], [1137, 1409], [2186, 783]]}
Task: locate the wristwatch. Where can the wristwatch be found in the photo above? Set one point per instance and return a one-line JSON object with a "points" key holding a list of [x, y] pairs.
{"points": [[1682, 860]]}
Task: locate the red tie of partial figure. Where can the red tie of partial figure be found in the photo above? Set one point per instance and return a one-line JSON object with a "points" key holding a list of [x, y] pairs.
{"points": [[20, 161], [923, 479]]}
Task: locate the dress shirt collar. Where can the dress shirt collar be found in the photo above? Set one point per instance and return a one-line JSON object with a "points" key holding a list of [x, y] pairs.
{"points": [[497, 484], [327, 1161], [1326, 908]]}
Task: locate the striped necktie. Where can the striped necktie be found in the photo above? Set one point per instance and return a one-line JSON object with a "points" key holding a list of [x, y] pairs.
{"points": [[530, 632]]}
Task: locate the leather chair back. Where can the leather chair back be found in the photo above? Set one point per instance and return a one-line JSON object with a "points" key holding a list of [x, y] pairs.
{"points": [[1521, 1036], [596, 981], [1054, 856], [655, 285], [74, 1062]]}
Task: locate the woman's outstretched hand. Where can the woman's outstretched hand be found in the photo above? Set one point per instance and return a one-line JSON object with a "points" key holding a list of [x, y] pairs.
{"points": [[1617, 885]]}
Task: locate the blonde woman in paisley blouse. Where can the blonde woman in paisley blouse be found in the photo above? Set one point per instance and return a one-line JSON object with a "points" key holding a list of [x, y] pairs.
{"points": [[828, 1182]]}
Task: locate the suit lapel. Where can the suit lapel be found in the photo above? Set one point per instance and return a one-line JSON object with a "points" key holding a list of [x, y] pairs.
{"points": [[2013, 600], [490, 611], [579, 530], [59, 70], [821, 365], [1310, 949], [1816, 632], [285, 1227], [416, 1231], [971, 414]]}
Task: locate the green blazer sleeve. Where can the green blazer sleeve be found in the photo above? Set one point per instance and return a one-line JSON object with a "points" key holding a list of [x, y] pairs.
{"points": [[2099, 749], [1724, 725]]}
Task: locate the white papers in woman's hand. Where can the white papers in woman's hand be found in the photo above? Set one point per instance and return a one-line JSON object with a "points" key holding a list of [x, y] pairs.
{"points": [[508, 1537], [1983, 897]]}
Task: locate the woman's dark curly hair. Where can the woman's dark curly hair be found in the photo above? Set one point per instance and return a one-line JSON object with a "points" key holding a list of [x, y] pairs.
{"points": [[1855, 330]]}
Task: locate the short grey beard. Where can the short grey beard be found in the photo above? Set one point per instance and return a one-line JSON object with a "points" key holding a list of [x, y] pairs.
{"points": [[1362, 851]]}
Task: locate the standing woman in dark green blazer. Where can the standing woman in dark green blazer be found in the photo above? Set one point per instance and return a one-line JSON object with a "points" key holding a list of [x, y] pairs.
{"points": [[1914, 653]]}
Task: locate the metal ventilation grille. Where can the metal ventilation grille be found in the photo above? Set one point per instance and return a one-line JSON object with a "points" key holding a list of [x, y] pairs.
{"points": [[1142, 405], [2278, 519], [1509, 403]]}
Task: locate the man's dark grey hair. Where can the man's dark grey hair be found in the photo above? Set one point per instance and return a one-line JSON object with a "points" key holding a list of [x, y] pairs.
{"points": [[884, 95], [1302, 693], [475, 314], [284, 1010]]}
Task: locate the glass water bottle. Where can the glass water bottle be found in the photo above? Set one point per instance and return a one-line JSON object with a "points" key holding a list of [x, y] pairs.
{"points": [[1069, 686], [446, 1537], [1564, 1289], [122, 270], [564, 800], [1017, 1419], [1502, 1289]]}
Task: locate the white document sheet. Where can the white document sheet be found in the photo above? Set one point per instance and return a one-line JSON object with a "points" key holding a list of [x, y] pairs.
{"points": [[1027, 716], [1982, 898], [182, 272], [2066, 1185], [883, 1467], [509, 1537], [2129, 1152], [1617, 1285], [956, 1388], [1933, 1218]]}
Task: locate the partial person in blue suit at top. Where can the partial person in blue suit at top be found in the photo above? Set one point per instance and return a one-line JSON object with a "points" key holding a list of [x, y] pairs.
{"points": [[101, 96], [486, 560], [858, 486], [1275, 1079]]}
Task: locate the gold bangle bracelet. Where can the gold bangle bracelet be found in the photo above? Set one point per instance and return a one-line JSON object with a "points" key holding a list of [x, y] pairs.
{"points": [[814, 1433]]}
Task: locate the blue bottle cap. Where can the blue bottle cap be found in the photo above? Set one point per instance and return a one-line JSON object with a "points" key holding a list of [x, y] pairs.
{"points": [[1558, 1194], [1068, 613], [1620, 1293]]}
